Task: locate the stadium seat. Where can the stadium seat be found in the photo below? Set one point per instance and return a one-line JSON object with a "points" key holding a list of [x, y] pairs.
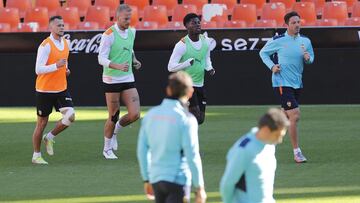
{"points": [[354, 21], [245, 12], [207, 25], [39, 15], [5, 27], [147, 25], [10, 16], [288, 3], [70, 16], [274, 11], [319, 5], [82, 5], [98, 14], [28, 27], [327, 22], [259, 5], [181, 10], [51, 5], [350, 4], [175, 25], [336, 10], [356, 10], [111, 4], [235, 24], [265, 23], [22, 5], [1, 4], [134, 16], [169, 4], [88, 26], [229, 4], [307, 11], [156, 14], [198, 3], [140, 4]]}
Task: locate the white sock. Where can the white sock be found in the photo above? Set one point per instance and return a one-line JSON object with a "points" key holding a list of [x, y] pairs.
{"points": [[117, 127], [114, 137], [36, 155], [297, 150], [50, 136], [107, 144]]}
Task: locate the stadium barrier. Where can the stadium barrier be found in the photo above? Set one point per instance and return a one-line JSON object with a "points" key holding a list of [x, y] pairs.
{"points": [[241, 78]]}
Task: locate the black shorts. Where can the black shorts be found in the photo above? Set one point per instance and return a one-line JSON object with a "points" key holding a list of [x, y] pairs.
{"points": [[198, 98], [118, 87], [167, 192], [288, 96], [46, 101]]}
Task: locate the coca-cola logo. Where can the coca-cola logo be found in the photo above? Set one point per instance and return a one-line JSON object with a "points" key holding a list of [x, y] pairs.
{"points": [[84, 45]]}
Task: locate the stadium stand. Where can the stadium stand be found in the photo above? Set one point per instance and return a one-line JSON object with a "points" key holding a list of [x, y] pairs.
{"points": [[356, 10], [82, 5], [354, 21], [51, 5], [169, 4], [39, 15], [319, 5], [140, 4], [181, 10], [22, 5], [11, 17], [265, 23], [336, 10], [235, 24], [88, 26], [327, 22], [99, 14], [156, 14], [307, 12], [198, 3], [5, 27], [274, 11], [70, 15], [111, 4], [259, 5], [175, 25], [245, 12], [147, 25]]}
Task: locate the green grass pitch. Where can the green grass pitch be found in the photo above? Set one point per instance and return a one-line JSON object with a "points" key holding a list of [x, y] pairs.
{"points": [[329, 136]]}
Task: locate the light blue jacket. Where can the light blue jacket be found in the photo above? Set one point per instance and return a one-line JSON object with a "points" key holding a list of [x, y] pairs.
{"points": [[287, 51], [168, 145], [250, 171]]}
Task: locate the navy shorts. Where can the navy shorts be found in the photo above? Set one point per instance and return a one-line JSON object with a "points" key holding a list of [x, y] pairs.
{"points": [[118, 87], [46, 101], [288, 96], [167, 192]]}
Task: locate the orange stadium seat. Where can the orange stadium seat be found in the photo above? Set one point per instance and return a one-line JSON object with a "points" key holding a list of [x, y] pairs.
{"points": [[354, 21], [307, 11], [265, 23], [1, 4], [22, 5], [148, 25], [134, 16], [5, 27], [140, 4], [350, 4], [169, 4], [198, 3], [274, 11], [207, 25], [88, 26], [356, 10], [336, 10], [70, 15], [319, 5], [229, 4], [51, 5], [181, 10], [112, 4], [259, 4], [10, 16], [82, 5], [245, 12], [99, 14], [28, 27], [175, 25], [288, 3], [39, 15], [327, 22], [156, 14], [235, 24]]}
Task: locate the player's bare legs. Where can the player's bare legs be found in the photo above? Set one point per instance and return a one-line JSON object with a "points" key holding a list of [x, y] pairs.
{"points": [[39, 130], [294, 117], [130, 97], [113, 105]]}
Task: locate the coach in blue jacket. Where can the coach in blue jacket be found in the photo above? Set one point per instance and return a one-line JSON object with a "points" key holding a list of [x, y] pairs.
{"points": [[168, 147], [285, 56]]}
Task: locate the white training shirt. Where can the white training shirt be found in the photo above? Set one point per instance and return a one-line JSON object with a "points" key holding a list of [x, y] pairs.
{"points": [[43, 56], [179, 51], [104, 50]]}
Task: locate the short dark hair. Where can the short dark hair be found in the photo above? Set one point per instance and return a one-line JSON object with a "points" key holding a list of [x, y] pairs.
{"points": [[289, 15], [274, 119], [52, 18], [180, 84], [189, 17]]}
